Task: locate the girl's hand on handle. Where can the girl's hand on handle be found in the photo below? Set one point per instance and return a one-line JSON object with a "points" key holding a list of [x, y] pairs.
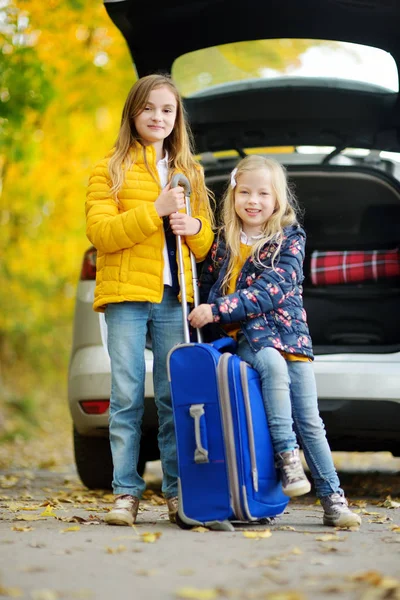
{"points": [[182, 224], [170, 200], [201, 315]]}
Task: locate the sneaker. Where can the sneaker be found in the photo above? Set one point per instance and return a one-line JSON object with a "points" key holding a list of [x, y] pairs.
{"points": [[337, 512], [172, 504], [294, 480], [124, 511]]}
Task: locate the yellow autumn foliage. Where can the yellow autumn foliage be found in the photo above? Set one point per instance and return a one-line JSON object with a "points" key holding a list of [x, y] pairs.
{"points": [[89, 70]]}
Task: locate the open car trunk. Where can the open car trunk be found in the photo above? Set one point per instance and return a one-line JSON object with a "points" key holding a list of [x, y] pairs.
{"points": [[347, 209]]}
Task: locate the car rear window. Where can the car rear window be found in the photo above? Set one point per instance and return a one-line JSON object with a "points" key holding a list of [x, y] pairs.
{"points": [[270, 59]]}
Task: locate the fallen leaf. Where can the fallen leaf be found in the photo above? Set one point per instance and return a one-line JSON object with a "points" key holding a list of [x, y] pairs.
{"points": [[21, 528], [76, 519], [73, 528], [116, 550], [371, 577], [256, 535], [370, 512], [382, 519], [395, 528], [389, 503], [330, 537], [44, 594], [29, 518], [197, 594], [287, 595], [327, 549], [8, 481], [34, 569], [150, 537], [360, 503], [11, 592], [274, 577], [200, 529], [335, 588], [48, 512]]}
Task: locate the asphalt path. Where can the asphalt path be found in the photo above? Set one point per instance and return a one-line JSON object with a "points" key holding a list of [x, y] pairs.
{"points": [[55, 545]]}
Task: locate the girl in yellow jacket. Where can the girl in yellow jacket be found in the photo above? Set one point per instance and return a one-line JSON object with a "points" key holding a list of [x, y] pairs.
{"points": [[132, 217]]}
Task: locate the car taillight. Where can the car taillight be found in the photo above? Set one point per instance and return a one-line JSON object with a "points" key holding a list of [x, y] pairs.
{"points": [[88, 270], [95, 407]]}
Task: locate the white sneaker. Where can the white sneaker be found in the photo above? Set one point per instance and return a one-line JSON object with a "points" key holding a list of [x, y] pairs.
{"points": [[294, 480], [337, 512], [124, 511]]}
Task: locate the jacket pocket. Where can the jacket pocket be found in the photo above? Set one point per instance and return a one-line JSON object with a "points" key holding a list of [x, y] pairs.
{"points": [[124, 268]]}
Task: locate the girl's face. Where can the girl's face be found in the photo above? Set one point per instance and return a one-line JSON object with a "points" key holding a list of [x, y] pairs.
{"points": [[255, 200], [157, 119]]}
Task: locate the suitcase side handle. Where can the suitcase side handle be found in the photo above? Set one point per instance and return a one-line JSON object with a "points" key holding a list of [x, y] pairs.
{"points": [[180, 179], [196, 411]]}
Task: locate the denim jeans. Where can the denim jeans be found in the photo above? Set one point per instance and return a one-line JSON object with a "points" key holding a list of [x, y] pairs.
{"points": [[127, 324], [291, 403]]}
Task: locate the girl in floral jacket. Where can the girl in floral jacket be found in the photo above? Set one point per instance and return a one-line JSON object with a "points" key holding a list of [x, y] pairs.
{"points": [[252, 288]]}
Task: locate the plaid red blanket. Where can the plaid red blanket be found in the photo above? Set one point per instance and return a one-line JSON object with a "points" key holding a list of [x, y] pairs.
{"points": [[332, 268]]}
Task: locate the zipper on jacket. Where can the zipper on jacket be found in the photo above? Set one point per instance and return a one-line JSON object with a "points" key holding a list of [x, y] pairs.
{"points": [[229, 436]]}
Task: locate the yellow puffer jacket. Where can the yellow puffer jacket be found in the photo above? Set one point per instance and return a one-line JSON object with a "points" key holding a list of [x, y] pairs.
{"points": [[129, 236]]}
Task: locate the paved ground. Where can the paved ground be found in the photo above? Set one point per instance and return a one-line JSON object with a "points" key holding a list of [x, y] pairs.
{"points": [[54, 544]]}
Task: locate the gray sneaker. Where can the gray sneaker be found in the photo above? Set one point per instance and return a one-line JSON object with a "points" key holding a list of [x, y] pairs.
{"points": [[294, 480], [337, 512], [124, 511]]}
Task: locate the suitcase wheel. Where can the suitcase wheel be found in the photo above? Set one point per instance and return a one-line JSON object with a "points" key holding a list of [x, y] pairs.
{"points": [[181, 523]]}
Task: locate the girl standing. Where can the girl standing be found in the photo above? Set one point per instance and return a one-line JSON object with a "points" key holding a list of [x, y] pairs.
{"points": [[132, 217], [251, 282]]}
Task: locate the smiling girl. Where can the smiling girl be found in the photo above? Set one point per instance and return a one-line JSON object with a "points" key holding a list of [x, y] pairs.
{"points": [[252, 283], [132, 217]]}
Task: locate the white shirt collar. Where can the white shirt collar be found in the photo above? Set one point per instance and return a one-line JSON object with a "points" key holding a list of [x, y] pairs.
{"points": [[164, 160], [249, 240]]}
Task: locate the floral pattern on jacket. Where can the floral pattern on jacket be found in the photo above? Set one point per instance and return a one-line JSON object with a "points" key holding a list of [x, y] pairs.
{"points": [[267, 302]]}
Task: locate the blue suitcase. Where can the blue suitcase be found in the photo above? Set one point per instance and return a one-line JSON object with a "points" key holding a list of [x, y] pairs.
{"points": [[225, 457]]}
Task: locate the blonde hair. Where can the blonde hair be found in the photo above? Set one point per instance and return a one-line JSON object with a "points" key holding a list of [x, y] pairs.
{"points": [[285, 214], [179, 144]]}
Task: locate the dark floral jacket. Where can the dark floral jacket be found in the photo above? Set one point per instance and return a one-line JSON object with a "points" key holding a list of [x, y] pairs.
{"points": [[268, 302]]}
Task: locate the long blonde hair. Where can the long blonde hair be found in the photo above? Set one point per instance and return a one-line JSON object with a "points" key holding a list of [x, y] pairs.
{"points": [[179, 144], [285, 213]]}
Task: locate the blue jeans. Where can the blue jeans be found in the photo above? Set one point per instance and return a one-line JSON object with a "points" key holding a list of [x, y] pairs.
{"points": [[291, 403], [127, 325]]}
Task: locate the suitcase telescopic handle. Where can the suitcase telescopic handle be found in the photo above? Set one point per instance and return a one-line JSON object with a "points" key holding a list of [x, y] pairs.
{"points": [[180, 179]]}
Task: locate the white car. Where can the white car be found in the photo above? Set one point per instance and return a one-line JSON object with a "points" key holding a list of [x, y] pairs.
{"points": [[338, 137]]}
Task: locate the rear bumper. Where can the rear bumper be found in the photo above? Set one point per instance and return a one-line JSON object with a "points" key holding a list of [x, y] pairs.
{"points": [[90, 379], [359, 400], [358, 377]]}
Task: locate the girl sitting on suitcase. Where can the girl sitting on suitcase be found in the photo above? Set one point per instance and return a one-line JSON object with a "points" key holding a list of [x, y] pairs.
{"points": [[132, 218], [251, 282]]}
